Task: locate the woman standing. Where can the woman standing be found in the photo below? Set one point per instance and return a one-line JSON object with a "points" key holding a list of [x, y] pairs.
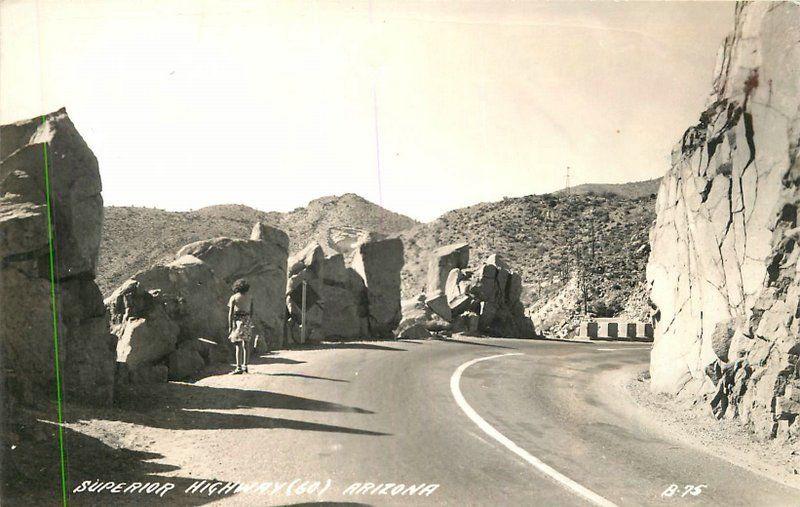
{"points": [[240, 327]]}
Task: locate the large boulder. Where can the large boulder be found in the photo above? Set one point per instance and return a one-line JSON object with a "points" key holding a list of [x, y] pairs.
{"points": [[146, 341], [498, 290], [34, 153], [379, 263], [440, 263], [262, 261], [346, 307], [306, 269], [192, 296], [158, 310], [723, 247], [74, 177], [146, 335], [438, 305]]}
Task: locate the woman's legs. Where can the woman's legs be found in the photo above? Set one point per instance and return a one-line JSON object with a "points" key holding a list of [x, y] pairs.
{"points": [[245, 352], [239, 350]]}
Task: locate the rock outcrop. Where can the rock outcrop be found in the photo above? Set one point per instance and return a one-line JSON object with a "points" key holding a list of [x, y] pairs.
{"points": [[346, 311], [379, 263], [484, 300], [146, 333], [34, 154], [723, 270], [440, 262], [135, 238], [361, 295], [496, 291], [158, 310], [420, 322], [262, 261], [171, 319]]}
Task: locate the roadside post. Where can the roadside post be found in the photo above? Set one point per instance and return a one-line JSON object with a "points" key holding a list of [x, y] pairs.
{"points": [[303, 315]]}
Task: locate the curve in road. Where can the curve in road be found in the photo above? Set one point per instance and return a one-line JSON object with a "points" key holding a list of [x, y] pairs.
{"points": [[559, 478]]}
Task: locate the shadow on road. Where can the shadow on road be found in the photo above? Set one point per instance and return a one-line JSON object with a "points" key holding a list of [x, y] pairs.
{"points": [[193, 396], [328, 504], [274, 360], [466, 342], [361, 345], [191, 407], [300, 375]]}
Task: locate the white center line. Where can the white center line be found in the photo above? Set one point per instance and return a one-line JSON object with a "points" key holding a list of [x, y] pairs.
{"points": [[561, 479]]}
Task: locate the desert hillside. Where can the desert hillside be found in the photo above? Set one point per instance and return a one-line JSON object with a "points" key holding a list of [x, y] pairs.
{"points": [[135, 238], [631, 190], [548, 239]]}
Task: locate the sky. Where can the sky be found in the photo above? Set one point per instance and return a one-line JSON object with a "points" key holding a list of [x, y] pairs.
{"points": [[421, 107]]}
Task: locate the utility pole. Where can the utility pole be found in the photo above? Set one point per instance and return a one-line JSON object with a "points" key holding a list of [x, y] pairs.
{"points": [[582, 278], [591, 231], [569, 190]]}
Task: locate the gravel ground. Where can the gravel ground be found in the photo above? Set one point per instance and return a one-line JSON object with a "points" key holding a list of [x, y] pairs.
{"points": [[694, 424]]}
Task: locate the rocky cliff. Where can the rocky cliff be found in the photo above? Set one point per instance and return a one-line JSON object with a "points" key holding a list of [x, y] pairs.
{"points": [[723, 271], [45, 165]]}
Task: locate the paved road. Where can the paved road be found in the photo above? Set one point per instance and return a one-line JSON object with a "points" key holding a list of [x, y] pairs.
{"points": [[385, 413]]}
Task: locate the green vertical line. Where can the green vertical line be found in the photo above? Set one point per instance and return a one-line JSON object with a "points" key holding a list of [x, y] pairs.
{"points": [[56, 361]]}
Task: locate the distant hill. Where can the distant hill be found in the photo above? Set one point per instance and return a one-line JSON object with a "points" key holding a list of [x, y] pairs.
{"points": [[135, 238], [632, 190]]}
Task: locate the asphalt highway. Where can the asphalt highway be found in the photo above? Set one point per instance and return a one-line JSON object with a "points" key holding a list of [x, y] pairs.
{"points": [[466, 421]]}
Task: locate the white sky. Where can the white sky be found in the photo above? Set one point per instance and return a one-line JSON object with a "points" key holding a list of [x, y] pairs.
{"points": [[272, 104]]}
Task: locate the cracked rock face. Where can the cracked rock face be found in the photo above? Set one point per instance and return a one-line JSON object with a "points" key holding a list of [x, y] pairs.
{"points": [[345, 295], [722, 270], [86, 348]]}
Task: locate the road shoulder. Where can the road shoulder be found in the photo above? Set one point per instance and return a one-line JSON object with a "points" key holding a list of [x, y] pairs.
{"points": [[691, 425]]}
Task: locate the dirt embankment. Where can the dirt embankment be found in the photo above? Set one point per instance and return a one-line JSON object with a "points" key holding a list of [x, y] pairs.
{"points": [[685, 420]]}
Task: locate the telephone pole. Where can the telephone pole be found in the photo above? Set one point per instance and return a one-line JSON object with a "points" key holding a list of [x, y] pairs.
{"points": [[569, 191], [591, 231]]}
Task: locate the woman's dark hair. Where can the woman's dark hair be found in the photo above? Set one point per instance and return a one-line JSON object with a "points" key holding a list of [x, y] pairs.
{"points": [[241, 286]]}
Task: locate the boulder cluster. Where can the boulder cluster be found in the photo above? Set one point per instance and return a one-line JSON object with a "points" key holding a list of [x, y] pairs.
{"points": [[50, 197], [723, 272], [346, 298], [484, 300], [171, 320]]}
